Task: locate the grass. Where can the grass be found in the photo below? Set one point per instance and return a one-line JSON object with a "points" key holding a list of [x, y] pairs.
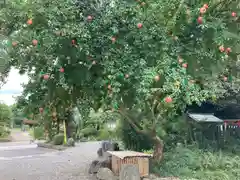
{"points": [[190, 162]]}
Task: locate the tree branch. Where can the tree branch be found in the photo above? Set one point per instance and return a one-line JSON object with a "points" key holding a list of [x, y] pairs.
{"points": [[132, 123]]}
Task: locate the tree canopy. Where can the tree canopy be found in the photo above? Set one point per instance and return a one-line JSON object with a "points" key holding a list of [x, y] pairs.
{"points": [[151, 58], [5, 115]]}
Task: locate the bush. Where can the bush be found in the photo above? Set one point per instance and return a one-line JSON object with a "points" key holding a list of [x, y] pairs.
{"points": [[58, 139], [104, 134], [89, 132], [4, 132], [190, 162], [38, 133]]}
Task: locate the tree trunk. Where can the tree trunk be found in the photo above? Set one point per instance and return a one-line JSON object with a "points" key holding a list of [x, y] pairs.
{"points": [[158, 148]]}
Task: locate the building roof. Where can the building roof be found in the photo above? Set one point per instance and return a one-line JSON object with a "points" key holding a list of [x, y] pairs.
{"points": [[124, 154], [205, 118]]}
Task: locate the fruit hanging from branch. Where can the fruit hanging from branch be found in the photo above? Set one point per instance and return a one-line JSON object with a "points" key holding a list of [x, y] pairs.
{"points": [[200, 20], [157, 78], [14, 44], [205, 6], [225, 78], [89, 18], [221, 48], [29, 22], [168, 99], [185, 65], [113, 39], [234, 14], [46, 76], [228, 50], [34, 42], [41, 110], [203, 10], [61, 70], [139, 25]]}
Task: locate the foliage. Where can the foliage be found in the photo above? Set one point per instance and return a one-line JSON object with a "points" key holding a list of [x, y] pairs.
{"points": [[190, 162], [58, 139], [5, 120], [70, 142], [4, 131], [131, 139], [38, 132], [104, 134], [5, 115], [89, 132], [146, 59]]}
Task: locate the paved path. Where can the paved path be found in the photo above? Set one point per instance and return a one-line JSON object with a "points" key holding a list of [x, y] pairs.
{"points": [[19, 136], [33, 163]]}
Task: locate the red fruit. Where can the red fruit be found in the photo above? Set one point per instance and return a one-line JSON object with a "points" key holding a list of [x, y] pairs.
{"points": [[73, 42], [202, 10], [89, 18], [34, 42], [200, 20], [225, 78], [126, 76], [45, 76], [14, 44], [157, 78], [168, 99], [221, 49], [40, 110], [205, 6], [185, 65], [234, 14], [228, 50], [139, 25], [61, 70], [113, 39], [29, 22]]}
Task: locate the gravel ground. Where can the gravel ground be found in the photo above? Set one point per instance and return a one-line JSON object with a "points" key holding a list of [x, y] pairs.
{"points": [[71, 164], [10, 154]]}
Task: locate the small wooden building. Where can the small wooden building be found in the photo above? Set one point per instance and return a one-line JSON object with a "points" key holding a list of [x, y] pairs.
{"points": [[130, 157], [206, 130]]}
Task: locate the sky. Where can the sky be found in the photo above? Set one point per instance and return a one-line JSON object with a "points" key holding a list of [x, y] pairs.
{"points": [[13, 87]]}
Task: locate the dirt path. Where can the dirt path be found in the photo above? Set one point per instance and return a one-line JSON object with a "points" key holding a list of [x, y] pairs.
{"points": [[71, 164], [18, 136]]}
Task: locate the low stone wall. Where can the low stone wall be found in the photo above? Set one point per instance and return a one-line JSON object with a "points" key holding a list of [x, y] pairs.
{"points": [[51, 146]]}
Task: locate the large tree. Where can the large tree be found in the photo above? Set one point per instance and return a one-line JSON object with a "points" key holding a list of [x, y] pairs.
{"points": [[147, 60]]}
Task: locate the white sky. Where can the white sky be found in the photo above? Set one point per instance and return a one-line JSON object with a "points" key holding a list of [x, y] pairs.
{"points": [[13, 87]]}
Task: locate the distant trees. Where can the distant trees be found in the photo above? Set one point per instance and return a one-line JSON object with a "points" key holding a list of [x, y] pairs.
{"points": [[5, 119]]}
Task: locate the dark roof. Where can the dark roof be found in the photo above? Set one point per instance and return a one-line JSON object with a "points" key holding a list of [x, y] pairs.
{"points": [[205, 118]]}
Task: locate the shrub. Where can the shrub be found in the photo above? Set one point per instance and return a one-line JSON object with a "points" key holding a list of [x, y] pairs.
{"points": [[38, 132], [89, 131], [58, 139], [104, 134], [4, 131], [190, 162]]}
